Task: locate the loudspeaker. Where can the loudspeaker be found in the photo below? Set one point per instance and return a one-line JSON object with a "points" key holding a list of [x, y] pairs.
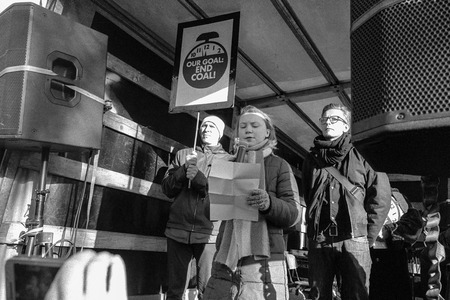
{"points": [[400, 62], [52, 81]]}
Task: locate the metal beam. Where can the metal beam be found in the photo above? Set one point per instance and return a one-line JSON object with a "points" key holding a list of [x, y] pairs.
{"points": [[137, 29], [289, 16], [301, 96], [290, 143], [305, 117]]}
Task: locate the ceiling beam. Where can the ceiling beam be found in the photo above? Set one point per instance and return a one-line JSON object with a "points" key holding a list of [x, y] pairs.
{"points": [[290, 143], [289, 16], [301, 96], [305, 117], [136, 29]]}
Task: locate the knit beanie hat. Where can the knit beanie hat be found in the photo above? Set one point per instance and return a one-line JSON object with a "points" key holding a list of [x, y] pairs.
{"points": [[220, 125]]}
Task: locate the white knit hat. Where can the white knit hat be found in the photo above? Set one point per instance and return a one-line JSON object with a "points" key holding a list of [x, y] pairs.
{"points": [[220, 125]]}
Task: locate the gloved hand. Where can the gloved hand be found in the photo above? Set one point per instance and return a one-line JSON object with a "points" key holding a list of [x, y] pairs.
{"points": [[191, 165], [410, 225], [260, 199]]}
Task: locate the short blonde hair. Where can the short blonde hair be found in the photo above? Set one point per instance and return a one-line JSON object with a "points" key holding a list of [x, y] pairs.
{"points": [[345, 110], [268, 121]]}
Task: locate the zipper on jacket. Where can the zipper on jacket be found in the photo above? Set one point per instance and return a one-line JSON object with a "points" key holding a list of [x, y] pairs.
{"points": [[195, 214]]}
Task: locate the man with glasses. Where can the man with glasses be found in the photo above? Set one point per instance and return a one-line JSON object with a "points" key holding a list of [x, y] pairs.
{"points": [[347, 203]]}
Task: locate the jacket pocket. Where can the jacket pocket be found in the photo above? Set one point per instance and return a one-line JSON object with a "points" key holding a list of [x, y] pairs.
{"points": [[358, 215]]}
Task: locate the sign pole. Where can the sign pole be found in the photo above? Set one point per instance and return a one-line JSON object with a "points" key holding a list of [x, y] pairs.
{"points": [[196, 130], [195, 140]]}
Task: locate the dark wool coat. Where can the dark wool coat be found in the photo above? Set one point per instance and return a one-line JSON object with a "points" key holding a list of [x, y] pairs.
{"points": [[189, 213], [366, 216]]}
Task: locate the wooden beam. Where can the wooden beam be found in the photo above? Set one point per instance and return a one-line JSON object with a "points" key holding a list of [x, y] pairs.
{"points": [[141, 133], [403, 177], [76, 170], [11, 161], [10, 233]]}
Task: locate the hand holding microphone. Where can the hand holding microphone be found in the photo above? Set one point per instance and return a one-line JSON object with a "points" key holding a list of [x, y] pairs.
{"points": [[241, 150]]}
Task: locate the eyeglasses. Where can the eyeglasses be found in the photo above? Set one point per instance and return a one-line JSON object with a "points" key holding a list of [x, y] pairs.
{"points": [[333, 120]]}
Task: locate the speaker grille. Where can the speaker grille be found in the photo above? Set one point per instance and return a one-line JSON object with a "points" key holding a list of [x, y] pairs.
{"points": [[358, 8], [401, 60], [12, 53]]}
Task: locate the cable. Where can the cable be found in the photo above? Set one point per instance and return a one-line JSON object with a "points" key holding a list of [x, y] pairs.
{"points": [[78, 213], [91, 191]]}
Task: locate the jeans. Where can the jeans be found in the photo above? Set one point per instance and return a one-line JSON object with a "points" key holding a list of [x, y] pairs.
{"points": [[347, 261], [179, 256]]}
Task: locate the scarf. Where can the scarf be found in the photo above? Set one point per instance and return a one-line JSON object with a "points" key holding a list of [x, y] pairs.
{"points": [[242, 238], [326, 153], [329, 153]]}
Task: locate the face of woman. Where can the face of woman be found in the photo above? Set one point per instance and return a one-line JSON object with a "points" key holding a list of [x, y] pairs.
{"points": [[210, 134], [333, 124], [252, 129]]}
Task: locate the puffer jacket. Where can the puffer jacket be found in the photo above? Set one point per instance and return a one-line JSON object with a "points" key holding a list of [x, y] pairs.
{"points": [[367, 214], [189, 213], [284, 210]]}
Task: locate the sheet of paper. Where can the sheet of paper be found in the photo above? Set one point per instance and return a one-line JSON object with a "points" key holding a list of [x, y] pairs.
{"points": [[229, 185]]}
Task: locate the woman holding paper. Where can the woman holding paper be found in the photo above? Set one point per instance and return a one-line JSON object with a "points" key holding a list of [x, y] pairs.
{"points": [[249, 262]]}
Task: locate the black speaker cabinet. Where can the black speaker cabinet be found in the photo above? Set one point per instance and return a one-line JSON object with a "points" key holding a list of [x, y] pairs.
{"points": [[400, 61], [50, 68]]}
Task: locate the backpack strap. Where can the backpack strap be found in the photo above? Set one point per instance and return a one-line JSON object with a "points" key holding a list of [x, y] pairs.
{"points": [[342, 179]]}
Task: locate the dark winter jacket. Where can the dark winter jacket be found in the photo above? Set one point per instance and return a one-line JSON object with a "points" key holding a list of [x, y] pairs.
{"points": [[189, 213], [366, 215]]}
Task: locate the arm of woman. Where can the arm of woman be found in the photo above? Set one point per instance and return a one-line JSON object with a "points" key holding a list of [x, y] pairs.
{"points": [[182, 169], [175, 176], [285, 209], [378, 202]]}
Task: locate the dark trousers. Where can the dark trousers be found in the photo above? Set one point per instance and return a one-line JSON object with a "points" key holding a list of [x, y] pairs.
{"points": [[252, 280], [389, 279], [348, 261], [179, 257]]}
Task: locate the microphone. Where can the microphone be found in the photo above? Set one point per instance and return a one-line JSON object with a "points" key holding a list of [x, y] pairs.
{"points": [[242, 148]]}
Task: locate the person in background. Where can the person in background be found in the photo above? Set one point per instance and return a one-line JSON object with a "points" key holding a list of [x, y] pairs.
{"points": [[190, 232], [255, 268], [389, 277], [89, 275], [341, 224]]}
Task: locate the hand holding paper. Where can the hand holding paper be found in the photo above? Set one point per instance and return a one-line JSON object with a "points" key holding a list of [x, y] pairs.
{"points": [[229, 186], [259, 198]]}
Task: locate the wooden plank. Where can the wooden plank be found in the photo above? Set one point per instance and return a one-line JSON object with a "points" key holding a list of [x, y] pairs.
{"points": [[133, 75], [403, 177], [10, 233], [7, 180], [76, 170], [134, 130]]}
